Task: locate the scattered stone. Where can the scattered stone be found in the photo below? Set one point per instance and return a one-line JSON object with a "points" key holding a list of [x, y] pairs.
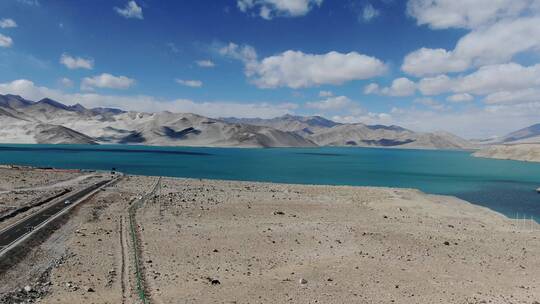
{"points": [[28, 288], [279, 213], [302, 281], [89, 289], [447, 243], [213, 281]]}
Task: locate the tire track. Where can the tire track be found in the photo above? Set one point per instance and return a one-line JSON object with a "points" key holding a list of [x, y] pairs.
{"points": [[123, 261]]}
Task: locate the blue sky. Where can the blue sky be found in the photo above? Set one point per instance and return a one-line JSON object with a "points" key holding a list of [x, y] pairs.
{"points": [[426, 65]]}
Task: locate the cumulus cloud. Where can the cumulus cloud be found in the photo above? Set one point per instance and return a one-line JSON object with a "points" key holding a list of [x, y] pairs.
{"points": [[372, 88], [7, 23], [400, 87], [464, 97], [529, 95], [295, 69], [142, 103], [5, 41], [106, 81], [76, 62], [431, 103], [486, 80], [435, 85], [369, 13], [443, 14], [190, 83], [492, 78], [206, 63], [131, 10], [331, 103], [268, 9], [479, 47], [433, 61]]}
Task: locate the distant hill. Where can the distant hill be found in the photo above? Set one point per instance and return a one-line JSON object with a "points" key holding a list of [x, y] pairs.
{"points": [[325, 132], [49, 121], [529, 134], [303, 125], [523, 144]]}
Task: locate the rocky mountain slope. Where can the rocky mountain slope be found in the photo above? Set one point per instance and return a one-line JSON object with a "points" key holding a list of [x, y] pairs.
{"points": [[523, 144], [49, 121], [325, 132], [529, 134]]}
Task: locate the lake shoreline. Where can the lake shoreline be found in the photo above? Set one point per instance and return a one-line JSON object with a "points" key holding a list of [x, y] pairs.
{"points": [[492, 183]]}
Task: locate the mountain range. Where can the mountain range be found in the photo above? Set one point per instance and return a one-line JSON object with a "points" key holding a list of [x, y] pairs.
{"points": [[49, 121]]}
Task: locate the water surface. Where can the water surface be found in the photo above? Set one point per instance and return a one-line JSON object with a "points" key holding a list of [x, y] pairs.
{"points": [[505, 186]]}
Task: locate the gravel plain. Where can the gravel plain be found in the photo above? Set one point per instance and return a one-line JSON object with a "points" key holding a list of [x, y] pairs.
{"points": [[212, 241]]}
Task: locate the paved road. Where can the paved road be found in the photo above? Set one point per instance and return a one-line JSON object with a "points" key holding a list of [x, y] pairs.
{"points": [[13, 233]]}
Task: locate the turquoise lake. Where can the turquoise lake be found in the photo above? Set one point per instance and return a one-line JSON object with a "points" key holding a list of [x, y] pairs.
{"points": [[505, 186]]}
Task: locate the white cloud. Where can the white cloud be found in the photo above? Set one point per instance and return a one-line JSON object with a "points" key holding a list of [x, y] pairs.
{"points": [[471, 122], [7, 23], [369, 13], [142, 103], [372, 88], [486, 80], [497, 43], [464, 97], [368, 118], [331, 103], [326, 94], [493, 78], [269, 9], [529, 95], [431, 103], [206, 63], [295, 69], [244, 53], [190, 83], [76, 62], [443, 14], [435, 85], [432, 61], [400, 87], [131, 10], [5, 41], [106, 81], [66, 82]]}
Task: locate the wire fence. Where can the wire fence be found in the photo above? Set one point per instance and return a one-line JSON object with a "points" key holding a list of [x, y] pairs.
{"points": [[136, 246]]}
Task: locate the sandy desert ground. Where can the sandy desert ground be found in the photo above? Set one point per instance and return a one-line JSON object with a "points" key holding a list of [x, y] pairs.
{"points": [[207, 241], [31, 188], [525, 152]]}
